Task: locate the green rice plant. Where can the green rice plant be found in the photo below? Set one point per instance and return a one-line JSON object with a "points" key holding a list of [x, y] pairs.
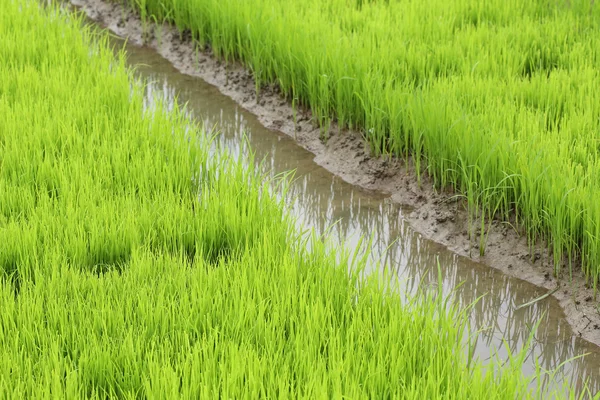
{"points": [[138, 261], [507, 86]]}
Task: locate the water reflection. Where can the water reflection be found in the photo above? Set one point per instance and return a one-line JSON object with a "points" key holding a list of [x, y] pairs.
{"points": [[319, 199]]}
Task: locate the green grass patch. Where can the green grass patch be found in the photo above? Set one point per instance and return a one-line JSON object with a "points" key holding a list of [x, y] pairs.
{"points": [[496, 99], [135, 263]]}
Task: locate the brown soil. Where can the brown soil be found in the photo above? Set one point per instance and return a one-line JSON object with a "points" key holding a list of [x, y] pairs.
{"points": [[440, 217]]}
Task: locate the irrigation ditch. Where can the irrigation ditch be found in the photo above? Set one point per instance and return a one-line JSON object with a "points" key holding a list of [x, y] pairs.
{"points": [[394, 191]]}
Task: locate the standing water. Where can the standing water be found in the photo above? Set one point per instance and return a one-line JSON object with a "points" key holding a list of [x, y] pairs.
{"points": [[319, 199]]}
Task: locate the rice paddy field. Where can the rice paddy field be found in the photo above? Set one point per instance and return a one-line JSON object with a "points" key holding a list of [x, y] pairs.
{"points": [[137, 262], [494, 99]]}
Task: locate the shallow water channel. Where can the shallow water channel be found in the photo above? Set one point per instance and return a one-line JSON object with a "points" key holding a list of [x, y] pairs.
{"points": [[319, 199]]}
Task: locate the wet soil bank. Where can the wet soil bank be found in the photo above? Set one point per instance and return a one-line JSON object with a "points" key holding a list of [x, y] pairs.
{"points": [[441, 217]]}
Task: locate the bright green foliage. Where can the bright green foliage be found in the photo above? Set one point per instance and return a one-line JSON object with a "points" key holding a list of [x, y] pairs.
{"points": [[498, 99], [134, 263]]}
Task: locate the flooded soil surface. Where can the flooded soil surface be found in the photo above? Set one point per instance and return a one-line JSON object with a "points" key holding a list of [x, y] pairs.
{"points": [[412, 226]]}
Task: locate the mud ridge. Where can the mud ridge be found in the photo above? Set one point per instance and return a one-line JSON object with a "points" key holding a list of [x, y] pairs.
{"points": [[440, 217]]}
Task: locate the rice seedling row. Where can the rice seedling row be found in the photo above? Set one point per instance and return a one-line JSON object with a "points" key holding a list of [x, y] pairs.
{"points": [[497, 100]]}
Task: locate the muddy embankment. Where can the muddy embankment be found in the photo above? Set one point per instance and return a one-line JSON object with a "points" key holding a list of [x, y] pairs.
{"points": [[441, 217]]}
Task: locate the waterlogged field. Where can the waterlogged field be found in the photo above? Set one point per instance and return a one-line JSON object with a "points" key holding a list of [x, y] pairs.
{"points": [[136, 264], [497, 99]]}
